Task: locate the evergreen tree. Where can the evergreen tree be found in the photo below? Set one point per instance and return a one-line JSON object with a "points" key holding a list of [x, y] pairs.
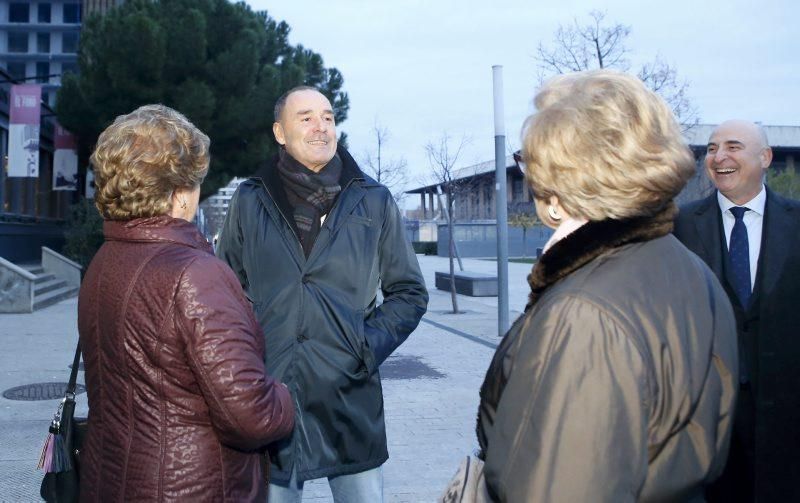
{"points": [[220, 64]]}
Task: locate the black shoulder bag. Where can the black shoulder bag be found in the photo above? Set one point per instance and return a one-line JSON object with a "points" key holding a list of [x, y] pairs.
{"points": [[60, 457]]}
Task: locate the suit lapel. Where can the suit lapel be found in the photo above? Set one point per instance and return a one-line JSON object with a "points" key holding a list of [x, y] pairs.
{"points": [[778, 225], [708, 223]]}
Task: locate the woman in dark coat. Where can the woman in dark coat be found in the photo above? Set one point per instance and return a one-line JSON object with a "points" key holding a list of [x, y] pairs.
{"points": [[618, 382], [179, 401]]}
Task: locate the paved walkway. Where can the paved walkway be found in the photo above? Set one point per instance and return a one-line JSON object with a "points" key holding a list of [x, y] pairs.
{"points": [[430, 387]]}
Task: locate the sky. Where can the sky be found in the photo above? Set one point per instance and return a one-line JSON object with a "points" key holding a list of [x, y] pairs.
{"points": [[423, 69]]}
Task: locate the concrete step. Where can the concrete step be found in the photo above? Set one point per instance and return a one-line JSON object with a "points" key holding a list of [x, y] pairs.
{"points": [[43, 278], [54, 296], [48, 285], [32, 267]]}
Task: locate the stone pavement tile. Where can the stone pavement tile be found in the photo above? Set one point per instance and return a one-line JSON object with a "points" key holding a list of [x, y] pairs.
{"points": [[22, 443], [438, 415], [17, 483], [37, 347]]}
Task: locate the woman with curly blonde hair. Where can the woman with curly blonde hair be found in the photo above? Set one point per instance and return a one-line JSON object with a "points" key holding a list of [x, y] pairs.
{"points": [[180, 406], [617, 383]]}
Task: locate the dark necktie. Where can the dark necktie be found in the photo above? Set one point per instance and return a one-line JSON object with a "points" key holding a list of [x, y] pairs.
{"points": [[739, 251]]}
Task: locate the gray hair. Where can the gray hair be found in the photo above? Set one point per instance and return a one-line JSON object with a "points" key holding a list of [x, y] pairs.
{"points": [[282, 100]]}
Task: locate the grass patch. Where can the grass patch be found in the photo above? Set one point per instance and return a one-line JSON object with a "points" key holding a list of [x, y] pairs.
{"points": [[518, 260], [521, 260]]}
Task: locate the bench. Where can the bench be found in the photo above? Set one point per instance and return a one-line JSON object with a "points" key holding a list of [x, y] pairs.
{"points": [[474, 284]]}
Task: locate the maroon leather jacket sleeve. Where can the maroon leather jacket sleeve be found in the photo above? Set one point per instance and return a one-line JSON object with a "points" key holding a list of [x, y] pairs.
{"points": [[225, 350]]}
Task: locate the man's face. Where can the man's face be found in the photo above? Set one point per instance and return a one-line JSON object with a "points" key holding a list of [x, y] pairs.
{"points": [[307, 129], [737, 157]]}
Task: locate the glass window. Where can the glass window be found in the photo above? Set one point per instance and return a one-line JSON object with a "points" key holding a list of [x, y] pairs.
{"points": [[488, 200], [72, 13], [16, 70], [18, 12], [43, 42], [44, 13], [70, 67], [69, 42], [42, 72], [516, 189], [17, 42]]}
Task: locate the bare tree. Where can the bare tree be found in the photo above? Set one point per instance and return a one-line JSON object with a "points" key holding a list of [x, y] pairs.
{"points": [[583, 47], [390, 172], [442, 157], [597, 44]]}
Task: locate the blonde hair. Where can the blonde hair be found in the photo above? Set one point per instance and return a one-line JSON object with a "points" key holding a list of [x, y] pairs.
{"points": [[605, 146], [142, 158]]}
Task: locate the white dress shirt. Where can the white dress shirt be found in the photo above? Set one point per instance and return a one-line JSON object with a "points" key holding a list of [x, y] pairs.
{"points": [[753, 220]]}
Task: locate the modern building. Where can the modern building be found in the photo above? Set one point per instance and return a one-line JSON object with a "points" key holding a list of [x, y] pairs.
{"points": [[31, 213], [39, 41], [38, 44]]}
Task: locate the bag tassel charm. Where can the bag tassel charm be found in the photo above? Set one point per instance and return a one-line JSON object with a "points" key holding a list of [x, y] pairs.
{"points": [[54, 457]]}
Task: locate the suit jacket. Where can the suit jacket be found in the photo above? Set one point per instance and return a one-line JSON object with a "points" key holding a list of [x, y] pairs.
{"points": [[769, 332]]}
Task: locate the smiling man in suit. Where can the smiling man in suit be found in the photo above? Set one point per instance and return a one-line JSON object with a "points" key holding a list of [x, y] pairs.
{"points": [[750, 237]]}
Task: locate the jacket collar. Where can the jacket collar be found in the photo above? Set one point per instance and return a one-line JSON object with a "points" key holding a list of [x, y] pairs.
{"points": [[592, 240], [163, 229], [347, 199], [350, 171], [755, 205], [268, 175]]}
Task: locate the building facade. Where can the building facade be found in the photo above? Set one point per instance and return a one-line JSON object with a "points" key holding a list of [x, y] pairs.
{"points": [[39, 41]]}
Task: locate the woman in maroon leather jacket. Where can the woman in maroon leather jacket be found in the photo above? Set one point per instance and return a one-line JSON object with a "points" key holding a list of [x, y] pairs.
{"points": [[180, 405]]}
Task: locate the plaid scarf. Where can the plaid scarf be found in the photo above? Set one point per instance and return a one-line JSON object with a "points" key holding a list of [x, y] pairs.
{"points": [[311, 195]]}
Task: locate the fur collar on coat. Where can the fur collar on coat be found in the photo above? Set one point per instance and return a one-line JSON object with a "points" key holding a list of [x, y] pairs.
{"points": [[592, 240]]}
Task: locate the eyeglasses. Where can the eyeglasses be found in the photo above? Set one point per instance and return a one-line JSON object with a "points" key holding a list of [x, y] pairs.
{"points": [[518, 160]]}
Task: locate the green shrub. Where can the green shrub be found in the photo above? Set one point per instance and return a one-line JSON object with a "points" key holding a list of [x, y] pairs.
{"points": [[84, 232], [785, 182]]}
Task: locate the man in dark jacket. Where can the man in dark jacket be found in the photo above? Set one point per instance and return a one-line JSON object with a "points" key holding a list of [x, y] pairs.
{"points": [[750, 237], [311, 238]]}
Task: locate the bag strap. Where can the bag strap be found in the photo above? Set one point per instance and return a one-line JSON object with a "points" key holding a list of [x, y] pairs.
{"points": [[73, 375]]}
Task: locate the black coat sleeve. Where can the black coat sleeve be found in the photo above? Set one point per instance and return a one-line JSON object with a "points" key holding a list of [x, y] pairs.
{"points": [[405, 298]]}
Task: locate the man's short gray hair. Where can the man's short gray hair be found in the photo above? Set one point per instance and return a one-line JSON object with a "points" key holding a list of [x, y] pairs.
{"points": [[282, 100]]}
